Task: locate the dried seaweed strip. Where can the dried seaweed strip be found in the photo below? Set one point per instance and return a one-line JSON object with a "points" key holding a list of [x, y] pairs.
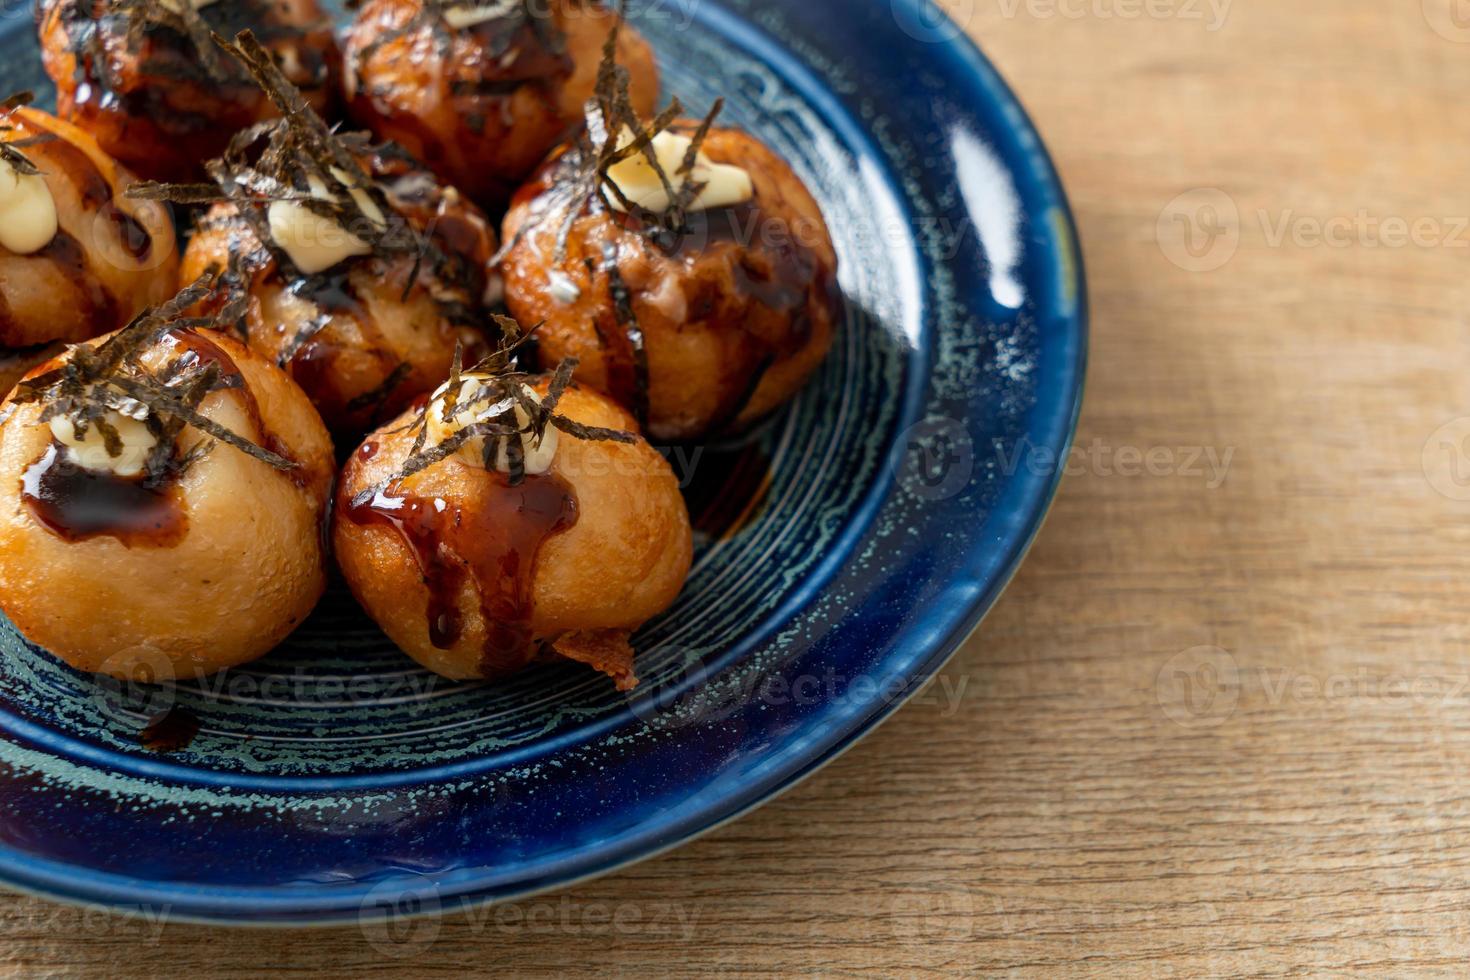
{"points": [[166, 404], [111, 377], [303, 337], [10, 152], [591, 433], [378, 397], [501, 392], [608, 114], [152, 190], [142, 17], [627, 320], [451, 393]]}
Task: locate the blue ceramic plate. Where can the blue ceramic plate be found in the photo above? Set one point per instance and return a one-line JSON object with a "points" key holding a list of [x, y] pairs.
{"points": [[844, 551]]}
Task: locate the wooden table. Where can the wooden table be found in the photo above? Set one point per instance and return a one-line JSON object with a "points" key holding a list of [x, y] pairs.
{"points": [[1221, 720]]}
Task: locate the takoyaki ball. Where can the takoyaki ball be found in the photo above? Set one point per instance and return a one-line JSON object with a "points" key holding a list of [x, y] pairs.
{"points": [[175, 552], [475, 574], [702, 326], [16, 364], [76, 259], [482, 90], [363, 330], [145, 78]]}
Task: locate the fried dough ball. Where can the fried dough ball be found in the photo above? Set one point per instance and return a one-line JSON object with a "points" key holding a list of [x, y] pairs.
{"points": [[482, 90], [15, 365], [702, 329], [182, 554], [375, 330], [76, 259], [145, 79], [475, 576]]}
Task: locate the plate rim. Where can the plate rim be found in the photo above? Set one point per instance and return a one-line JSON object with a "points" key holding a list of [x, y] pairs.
{"points": [[126, 895]]}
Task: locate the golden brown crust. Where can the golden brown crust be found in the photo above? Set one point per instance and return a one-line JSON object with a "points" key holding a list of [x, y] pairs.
{"points": [[480, 119], [111, 257], [621, 563], [387, 340], [151, 105], [733, 321], [247, 571]]}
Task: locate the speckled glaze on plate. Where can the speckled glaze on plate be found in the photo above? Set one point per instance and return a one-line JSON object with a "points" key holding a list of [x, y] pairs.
{"points": [[844, 551]]}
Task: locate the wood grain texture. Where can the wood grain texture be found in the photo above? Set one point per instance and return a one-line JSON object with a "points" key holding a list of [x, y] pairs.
{"points": [[1213, 727]]}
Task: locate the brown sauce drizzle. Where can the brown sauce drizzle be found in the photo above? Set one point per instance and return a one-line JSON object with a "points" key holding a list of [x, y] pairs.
{"points": [[492, 542], [332, 291], [71, 261], [94, 190], [170, 731], [79, 504], [172, 60], [197, 348], [200, 348], [133, 237], [776, 271]]}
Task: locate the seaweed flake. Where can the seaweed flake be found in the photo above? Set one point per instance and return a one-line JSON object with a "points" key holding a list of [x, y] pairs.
{"points": [[112, 377], [10, 151], [501, 390]]}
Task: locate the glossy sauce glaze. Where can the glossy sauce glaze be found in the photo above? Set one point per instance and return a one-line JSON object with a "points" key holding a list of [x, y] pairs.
{"points": [[491, 539], [172, 730], [79, 504], [479, 104], [769, 266], [71, 261], [141, 87], [96, 192], [195, 347], [60, 159]]}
